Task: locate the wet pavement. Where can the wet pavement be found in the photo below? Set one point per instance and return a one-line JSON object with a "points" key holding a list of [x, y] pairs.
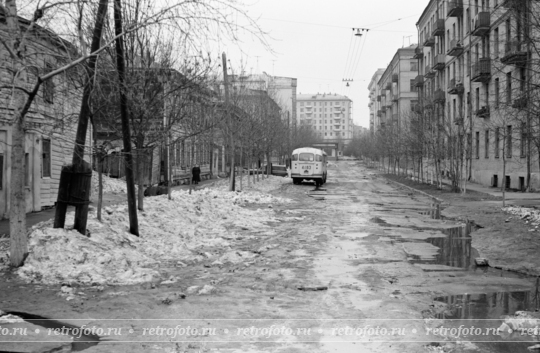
{"points": [[362, 265]]}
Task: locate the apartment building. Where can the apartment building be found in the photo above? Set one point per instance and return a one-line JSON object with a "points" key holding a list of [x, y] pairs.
{"points": [[397, 89], [475, 79], [374, 104], [329, 115]]}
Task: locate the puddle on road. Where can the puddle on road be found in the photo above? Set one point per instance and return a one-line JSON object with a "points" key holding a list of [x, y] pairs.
{"points": [[80, 341], [486, 311]]}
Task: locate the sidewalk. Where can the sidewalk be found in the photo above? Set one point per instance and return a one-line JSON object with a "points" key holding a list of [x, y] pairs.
{"points": [[44, 215]]}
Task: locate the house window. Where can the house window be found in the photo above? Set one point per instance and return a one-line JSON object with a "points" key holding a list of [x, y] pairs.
{"points": [[48, 86], [414, 65], [497, 142], [509, 88], [523, 78], [412, 86], [497, 98], [509, 141], [26, 169], [46, 159], [486, 145], [477, 98], [523, 140], [496, 42], [477, 140], [469, 145]]}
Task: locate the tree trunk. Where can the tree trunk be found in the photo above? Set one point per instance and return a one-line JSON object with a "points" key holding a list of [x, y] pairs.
{"points": [[17, 209], [126, 133]]}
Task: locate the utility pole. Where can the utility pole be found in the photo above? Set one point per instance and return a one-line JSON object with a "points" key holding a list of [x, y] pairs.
{"points": [[229, 121], [126, 133]]}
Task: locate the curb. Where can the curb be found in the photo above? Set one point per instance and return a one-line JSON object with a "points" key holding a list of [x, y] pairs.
{"points": [[415, 190]]}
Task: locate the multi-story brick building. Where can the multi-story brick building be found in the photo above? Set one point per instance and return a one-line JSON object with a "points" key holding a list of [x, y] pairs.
{"points": [[476, 75], [397, 89], [374, 101], [330, 116]]}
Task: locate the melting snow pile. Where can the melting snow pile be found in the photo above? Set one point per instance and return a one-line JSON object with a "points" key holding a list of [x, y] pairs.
{"points": [[262, 186], [171, 230], [528, 215], [110, 185]]}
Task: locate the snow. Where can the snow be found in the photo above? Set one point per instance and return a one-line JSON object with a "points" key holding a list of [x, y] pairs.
{"points": [[263, 185], [530, 216], [184, 230], [110, 185]]}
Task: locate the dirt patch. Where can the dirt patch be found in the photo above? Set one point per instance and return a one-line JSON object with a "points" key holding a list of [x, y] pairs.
{"points": [[505, 240]]}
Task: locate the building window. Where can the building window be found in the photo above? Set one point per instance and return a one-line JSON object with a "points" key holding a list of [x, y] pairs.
{"points": [[497, 98], [497, 142], [26, 170], [486, 145], [477, 98], [46, 159], [496, 42], [523, 78], [48, 86], [412, 86], [509, 141], [477, 140], [1, 171], [509, 88], [523, 140], [414, 65]]}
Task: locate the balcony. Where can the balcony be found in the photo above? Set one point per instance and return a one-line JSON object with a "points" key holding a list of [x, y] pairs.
{"points": [[455, 48], [455, 8], [418, 52], [520, 102], [439, 62], [439, 96], [419, 81], [395, 77], [379, 113], [383, 108], [511, 3], [429, 73], [514, 53], [455, 87], [481, 24], [389, 86], [395, 97], [429, 42], [483, 113], [481, 71], [378, 98], [438, 28]]}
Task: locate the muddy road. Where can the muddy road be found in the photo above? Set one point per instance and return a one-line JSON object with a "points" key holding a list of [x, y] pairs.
{"points": [[358, 265]]}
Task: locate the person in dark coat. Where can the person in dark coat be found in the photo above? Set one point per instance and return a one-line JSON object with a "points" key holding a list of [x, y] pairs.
{"points": [[196, 172]]}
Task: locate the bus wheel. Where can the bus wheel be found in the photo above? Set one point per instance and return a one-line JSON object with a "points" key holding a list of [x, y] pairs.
{"points": [[295, 181]]}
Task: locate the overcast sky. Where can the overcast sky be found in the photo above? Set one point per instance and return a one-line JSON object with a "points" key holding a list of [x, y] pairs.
{"points": [[313, 41]]}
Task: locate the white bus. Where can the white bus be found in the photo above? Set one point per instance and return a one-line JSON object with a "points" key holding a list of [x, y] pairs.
{"points": [[308, 164]]}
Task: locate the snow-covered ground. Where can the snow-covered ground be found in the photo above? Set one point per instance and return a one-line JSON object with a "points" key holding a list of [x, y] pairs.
{"points": [[110, 185], [179, 231], [263, 185], [530, 216]]}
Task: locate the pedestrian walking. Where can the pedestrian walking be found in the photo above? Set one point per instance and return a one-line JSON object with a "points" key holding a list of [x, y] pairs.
{"points": [[196, 172]]}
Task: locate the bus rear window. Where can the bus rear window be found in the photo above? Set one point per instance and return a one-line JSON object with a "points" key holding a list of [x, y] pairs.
{"points": [[306, 157], [294, 157], [319, 158]]}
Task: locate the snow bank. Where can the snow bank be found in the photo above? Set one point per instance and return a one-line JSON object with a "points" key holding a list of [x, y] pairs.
{"points": [[110, 185], [171, 230], [265, 185], [530, 216]]}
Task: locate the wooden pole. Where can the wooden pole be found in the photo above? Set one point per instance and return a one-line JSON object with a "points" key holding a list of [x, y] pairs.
{"points": [[126, 133]]}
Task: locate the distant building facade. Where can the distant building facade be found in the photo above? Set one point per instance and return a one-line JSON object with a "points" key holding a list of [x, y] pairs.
{"points": [[374, 101], [330, 117]]}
